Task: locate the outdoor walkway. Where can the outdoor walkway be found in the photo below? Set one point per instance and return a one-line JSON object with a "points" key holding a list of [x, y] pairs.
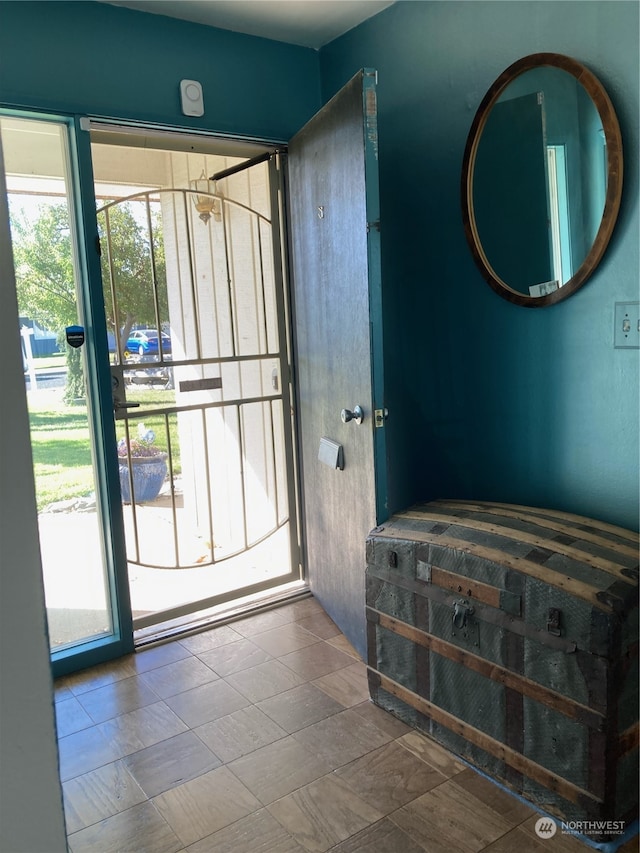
{"points": [[74, 582]]}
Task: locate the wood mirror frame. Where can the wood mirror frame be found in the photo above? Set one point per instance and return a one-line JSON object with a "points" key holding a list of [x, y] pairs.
{"points": [[613, 142]]}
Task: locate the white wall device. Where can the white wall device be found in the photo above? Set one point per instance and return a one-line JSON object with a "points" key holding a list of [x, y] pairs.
{"points": [[192, 100]]}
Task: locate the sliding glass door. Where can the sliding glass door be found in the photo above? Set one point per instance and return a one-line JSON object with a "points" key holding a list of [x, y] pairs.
{"points": [[87, 605]]}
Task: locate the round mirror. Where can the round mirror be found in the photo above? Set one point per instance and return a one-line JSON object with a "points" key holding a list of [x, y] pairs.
{"points": [[541, 179]]}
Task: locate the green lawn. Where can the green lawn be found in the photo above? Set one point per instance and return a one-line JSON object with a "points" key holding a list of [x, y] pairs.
{"points": [[62, 451]]}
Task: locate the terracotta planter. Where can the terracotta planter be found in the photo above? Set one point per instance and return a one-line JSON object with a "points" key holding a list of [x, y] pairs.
{"points": [[148, 475]]}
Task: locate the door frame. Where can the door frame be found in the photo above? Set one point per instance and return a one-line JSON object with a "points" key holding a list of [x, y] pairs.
{"points": [[210, 608], [107, 434], [372, 203], [104, 434]]}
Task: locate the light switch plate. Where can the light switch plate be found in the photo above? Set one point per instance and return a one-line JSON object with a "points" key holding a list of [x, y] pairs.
{"points": [[626, 330], [331, 453]]}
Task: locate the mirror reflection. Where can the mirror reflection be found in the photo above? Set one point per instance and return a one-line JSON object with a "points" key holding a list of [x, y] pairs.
{"points": [[540, 180]]}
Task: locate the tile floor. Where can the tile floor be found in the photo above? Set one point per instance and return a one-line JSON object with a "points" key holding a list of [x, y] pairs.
{"points": [[258, 737]]}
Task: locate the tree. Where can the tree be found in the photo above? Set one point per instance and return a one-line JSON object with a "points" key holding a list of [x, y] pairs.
{"points": [[45, 279], [44, 266], [133, 267], [45, 276]]}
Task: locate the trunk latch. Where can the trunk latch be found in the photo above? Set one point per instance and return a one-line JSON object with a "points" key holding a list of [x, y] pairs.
{"points": [[461, 609], [553, 622]]}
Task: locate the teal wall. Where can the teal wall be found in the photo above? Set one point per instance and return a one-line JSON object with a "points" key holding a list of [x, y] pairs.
{"points": [[97, 59], [486, 399], [489, 400]]}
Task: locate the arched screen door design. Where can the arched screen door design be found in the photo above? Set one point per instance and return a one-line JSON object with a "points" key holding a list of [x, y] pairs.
{"points": [[194, 297]]}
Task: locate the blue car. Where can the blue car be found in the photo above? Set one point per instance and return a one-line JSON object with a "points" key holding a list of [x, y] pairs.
{"points": [[145, 342]]}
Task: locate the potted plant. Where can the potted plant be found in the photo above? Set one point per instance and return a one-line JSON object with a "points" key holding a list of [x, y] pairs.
{"points": [[142, 466]]}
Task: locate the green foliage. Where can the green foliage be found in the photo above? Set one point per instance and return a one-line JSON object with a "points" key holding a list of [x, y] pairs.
{"points": [[75, 388], [133, 269], [44, 266], [133, 266], [45, 279]]}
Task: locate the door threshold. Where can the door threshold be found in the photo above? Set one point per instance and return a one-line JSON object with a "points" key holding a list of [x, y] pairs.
{"points": [[222, 614]]}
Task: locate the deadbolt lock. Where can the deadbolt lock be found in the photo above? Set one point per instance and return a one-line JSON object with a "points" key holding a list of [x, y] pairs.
{"points": [[380, 416]]}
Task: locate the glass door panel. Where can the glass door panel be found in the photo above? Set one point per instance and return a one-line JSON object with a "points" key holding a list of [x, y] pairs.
{"points": [[77, 574]]}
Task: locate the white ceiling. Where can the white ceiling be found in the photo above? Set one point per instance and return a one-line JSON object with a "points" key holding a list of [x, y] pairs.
{"points": [[311, 23]]}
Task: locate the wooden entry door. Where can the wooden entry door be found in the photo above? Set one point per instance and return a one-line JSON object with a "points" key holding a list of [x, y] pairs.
{"points": [[335, 228]]}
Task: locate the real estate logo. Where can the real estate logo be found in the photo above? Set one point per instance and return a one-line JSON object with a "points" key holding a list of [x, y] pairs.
{"points": [[546, 827]]}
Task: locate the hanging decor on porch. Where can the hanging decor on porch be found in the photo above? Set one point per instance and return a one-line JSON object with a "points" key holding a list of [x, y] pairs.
{"points": [[203, 199]]}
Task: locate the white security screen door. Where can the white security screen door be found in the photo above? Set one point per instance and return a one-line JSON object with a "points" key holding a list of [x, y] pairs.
{"points": [[198, 323]]}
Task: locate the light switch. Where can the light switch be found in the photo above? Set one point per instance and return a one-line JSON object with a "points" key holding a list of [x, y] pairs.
{"points": [[626, 332]]}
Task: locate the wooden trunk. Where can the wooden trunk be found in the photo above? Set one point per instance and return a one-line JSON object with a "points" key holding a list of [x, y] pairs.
{"points": [[510, 635]]}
